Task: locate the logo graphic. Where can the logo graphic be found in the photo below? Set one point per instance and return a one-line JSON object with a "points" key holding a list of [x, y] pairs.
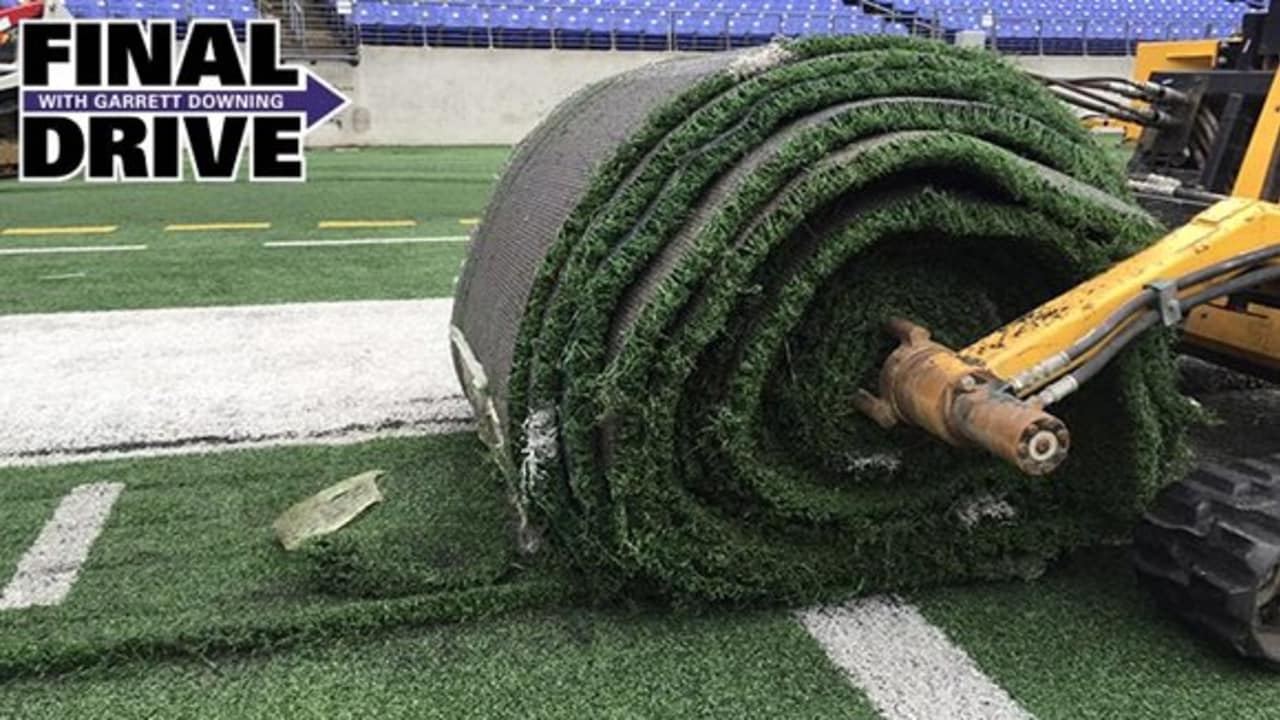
{"points": [[120, 101]]}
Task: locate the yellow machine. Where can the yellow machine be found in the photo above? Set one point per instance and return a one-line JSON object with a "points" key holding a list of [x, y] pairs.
{"points": [[1207, 126], [1214, 277]]}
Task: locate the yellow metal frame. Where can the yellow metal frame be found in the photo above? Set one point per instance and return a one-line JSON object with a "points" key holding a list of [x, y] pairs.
{"points": [[994, 393], [1250, 333], [1203, 55], [1256, 165], [1253, 332], [1170, 56], [1230, 228]]}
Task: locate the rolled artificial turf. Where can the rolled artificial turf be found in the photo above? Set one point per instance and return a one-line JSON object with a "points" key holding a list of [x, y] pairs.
{"points": [[681, 282]]}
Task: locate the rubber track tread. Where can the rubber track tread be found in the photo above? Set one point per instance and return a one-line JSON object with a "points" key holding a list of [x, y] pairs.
{"points": [[1208, 547]]}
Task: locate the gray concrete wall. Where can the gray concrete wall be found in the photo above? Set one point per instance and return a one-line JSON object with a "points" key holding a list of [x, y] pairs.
{"points": [[1069, 67], [450, 96]]}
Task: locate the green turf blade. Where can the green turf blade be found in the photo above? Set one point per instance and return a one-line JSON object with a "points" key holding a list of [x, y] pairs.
{"points": [[437, 187], [1085, 642], [567, 664], [188, 561]]}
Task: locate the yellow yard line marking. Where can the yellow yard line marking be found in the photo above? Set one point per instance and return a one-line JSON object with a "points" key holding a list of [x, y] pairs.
{"points": [[205, 227], [469, 221], [354, 224], [61, 230]]}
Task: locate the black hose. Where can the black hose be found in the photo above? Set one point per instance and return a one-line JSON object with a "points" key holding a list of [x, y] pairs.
{"points": [[1117, 86], [1144, 298], [1244, 260], [1085, 92], [1100, 106], [1149, 318], [1147, 91], [1091, 80], [1093, 95], [1243, 281], [1085, 80], [1096, 363], [1108, 326], [1089, 88], [1130, 91]]}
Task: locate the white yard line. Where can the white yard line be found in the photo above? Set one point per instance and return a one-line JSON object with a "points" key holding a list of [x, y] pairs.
{"points": [[461, 421], [364, 241], [361, 224], [128, 383], [63, 249], [908, 668], [49, 568]]}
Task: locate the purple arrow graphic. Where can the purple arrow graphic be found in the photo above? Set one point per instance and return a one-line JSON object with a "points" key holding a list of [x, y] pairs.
{"points": [[316, 99], [319, 100]]}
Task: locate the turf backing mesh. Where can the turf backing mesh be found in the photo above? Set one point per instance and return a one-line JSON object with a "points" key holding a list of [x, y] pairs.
{"points": [[681, 282]]}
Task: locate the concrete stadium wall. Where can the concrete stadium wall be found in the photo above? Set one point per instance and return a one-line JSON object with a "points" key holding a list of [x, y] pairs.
{"points": [[449, 96]]}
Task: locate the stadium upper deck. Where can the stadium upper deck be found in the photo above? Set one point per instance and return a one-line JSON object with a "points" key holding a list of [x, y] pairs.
{"points": [[1021, 26]]}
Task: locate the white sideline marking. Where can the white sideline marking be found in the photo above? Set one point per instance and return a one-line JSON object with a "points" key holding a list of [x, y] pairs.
{"points": [[57, 250], [908, 668], [217, 227], [49, 568], [365, 241], [89, 385], [460, 422]]}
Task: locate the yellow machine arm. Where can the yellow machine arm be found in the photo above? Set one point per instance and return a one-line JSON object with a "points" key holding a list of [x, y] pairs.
{"points": [[993, 394]]}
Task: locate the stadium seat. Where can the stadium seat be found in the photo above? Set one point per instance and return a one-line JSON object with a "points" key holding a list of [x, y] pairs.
{"points": [[1075, 26], [1016, 26]]}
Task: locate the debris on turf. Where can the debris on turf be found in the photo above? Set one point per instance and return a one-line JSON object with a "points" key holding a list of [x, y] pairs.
{"points": [[687, 313], [402, 549], [188, 566], [329, 510]]}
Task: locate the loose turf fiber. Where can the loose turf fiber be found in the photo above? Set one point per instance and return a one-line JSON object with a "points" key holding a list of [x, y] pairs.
{"points": [[680, 284], [188, 565]]}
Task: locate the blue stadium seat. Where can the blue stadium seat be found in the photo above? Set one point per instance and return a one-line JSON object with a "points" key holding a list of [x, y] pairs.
{"points": [[89, 9], [1073, 26], [1040, 26]]}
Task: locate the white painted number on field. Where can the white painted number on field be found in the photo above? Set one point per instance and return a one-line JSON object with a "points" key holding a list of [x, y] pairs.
{"points": [[50, 566]]}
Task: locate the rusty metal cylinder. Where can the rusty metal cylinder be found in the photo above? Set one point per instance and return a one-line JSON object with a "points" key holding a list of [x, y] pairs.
{"points": [[1017, 431], [927, 384]]}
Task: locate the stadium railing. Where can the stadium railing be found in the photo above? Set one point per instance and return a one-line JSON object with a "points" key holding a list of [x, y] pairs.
{"points": [[609, 28], [544, 26]]}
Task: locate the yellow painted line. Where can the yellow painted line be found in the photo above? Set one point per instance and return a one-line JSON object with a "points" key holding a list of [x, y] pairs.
{"points": [[208, 227], [356, 224], [469, 221], [61, 230]]}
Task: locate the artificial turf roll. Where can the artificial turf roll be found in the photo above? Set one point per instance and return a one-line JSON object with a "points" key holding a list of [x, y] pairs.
{"points": [[681, 282]]}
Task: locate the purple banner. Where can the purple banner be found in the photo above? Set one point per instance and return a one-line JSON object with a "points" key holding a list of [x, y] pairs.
{"points": [[315, 100]]}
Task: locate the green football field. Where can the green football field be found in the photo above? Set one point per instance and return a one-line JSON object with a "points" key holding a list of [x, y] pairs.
{"points": [[207, 246], [186, 607]]}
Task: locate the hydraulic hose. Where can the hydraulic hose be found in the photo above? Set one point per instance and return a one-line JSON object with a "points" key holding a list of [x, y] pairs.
{"points": [[1145, 298], [1145, 319]]}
